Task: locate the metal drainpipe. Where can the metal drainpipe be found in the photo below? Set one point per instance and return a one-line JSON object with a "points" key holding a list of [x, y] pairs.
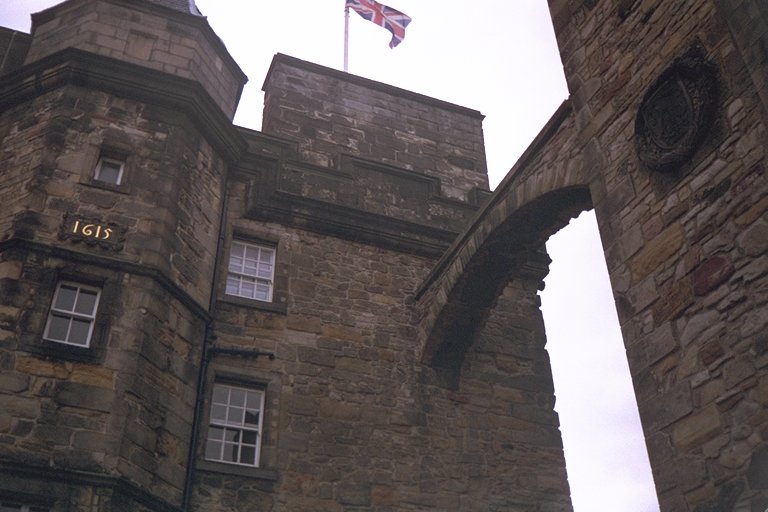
{"points": [[208, 338]]}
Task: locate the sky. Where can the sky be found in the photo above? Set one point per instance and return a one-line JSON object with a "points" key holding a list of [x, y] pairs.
{"points": [[499, 57]]}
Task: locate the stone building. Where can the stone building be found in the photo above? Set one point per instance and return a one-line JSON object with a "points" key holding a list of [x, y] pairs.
{"points": [[335, 313]]}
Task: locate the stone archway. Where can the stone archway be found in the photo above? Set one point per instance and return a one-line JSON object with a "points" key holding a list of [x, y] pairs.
{"points": [[684, 242], [514, 249], [538, 197]]}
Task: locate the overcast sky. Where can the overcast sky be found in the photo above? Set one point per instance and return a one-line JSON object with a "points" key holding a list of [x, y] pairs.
{"points": [[499, 57]]}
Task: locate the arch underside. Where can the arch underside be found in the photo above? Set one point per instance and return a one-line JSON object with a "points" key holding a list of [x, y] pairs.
{"points": [[514, 249]]}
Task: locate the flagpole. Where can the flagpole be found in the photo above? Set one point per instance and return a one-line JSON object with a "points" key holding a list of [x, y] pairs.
{"points": [[346, 38]]}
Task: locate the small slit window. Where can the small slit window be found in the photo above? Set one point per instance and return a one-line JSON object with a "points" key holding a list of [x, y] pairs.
{"points": [[109, 170]]}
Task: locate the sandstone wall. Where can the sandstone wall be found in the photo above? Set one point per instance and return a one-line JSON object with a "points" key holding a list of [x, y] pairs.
{"points": [[354, 421], [329, 112], [122, 408], [686, 246], [141, 33]]}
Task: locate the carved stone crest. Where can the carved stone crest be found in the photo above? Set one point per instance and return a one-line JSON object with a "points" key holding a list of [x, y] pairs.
{"points": [[677, 112]]}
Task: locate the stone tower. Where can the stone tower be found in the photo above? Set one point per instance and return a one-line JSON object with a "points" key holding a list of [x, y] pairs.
{"points": [[115, 141]]}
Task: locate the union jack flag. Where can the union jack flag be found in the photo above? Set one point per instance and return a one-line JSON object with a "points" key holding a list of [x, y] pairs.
{"points": [[387, 17]]}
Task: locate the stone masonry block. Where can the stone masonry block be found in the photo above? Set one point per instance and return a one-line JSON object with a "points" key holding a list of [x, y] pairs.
{"points": [[696, 429], [656, 252], [84, 396]]}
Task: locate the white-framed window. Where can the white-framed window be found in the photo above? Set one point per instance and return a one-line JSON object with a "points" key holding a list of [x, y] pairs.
{"points": [[12, 506], [251, 271], [234, 431], [72, 314], [109, 170]]}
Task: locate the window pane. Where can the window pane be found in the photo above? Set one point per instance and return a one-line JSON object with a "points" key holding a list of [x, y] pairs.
{"points": [[236, 255], [65, 298], [253, 400], [248, 455], [262, 291], [235, 264], [247, 288], [213, 450], [218, 413], [238, 249], [249, 437], [78, 333], [235, 415], [230, 453], [252, 253], [58, 327], [109, 171], [216, 434], [237, 397], [251, 417], [233, 286], [220, 394], [265, 271], [86, 302], [250, 268], [231, 435]]}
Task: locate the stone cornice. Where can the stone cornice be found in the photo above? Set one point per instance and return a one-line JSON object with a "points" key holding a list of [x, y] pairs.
{"points": [[352, 224], [150, 272], [165, 12], [78, 67], [367, 83], [273, 196], [119, 485]]}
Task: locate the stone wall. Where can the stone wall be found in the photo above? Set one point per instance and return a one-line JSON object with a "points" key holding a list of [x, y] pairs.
{"points": [[665, 132], [354, 422], [141, 33], [116, 415], [160, 213], [329, 112], [686, 248]]}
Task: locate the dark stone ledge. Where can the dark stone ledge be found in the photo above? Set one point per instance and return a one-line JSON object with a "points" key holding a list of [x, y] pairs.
{"points": [[49, 477], [81, 68], [153, 273]]}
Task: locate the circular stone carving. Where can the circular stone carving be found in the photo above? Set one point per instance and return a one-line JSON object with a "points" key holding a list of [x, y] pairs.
{"points": [[676, 112]]}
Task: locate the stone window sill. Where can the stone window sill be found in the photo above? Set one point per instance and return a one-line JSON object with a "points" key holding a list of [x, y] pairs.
{"points": [[121, 189], [272, 307], [208, 466]]}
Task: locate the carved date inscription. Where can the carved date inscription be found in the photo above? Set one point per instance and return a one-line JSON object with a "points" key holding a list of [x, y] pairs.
{"points": [[92, 231]]}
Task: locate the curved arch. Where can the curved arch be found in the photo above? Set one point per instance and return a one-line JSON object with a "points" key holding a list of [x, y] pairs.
{"points": [[506, 239], [513, 249]]}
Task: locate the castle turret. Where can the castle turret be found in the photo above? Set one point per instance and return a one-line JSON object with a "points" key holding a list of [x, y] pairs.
{"points": [[116, 137]]}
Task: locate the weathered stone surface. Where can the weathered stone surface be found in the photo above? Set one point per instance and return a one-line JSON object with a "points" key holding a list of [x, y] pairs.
{"points": [[757, 474], [697, 428], [711, 273], [656, 251]]}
